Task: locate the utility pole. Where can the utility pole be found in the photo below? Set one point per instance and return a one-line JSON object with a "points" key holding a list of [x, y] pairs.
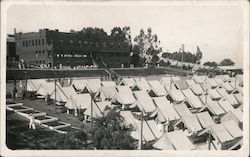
{"points": [[25, 75], [209, 140], [55, 97]]}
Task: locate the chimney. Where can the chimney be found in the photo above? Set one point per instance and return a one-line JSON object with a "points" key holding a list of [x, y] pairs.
{"points": [[14, 31]]}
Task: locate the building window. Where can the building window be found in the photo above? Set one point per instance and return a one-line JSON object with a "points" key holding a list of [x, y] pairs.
{"points": [[26, 43], [23, 44], [39, 42], [43, 51], [42, 41], [32, 42], [118, 54], [36, 42], [43, 62], [29, 42], [39, 52]]}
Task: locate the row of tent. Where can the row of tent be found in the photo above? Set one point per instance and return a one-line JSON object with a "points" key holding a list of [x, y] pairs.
{"points": [[197, 104]]}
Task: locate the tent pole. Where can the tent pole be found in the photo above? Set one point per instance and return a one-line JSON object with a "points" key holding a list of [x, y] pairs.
{"points": [[209, 140], [141, 129], [55, 96], [91, 114]]}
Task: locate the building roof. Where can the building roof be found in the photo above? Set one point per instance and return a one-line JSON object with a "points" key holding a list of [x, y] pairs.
{"points": [[158, 89], [192, 99], [78, 101], [166, 110], [144, 101], [182, 110], [205, 119]]}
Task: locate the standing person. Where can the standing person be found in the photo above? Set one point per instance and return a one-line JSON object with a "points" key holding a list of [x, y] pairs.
{"points": [[14, 93], [32, 122], [23, 92]]}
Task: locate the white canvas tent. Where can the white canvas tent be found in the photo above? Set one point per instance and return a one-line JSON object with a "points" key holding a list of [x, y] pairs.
{"points": [[182, 110], [157, 88], [233, 128], [236, 115], [93, 85], [166, 110], [124, 89], [79, 101], [79, 84], [98, 109], [223, 78], [177, 95], [196, 88], [229, 97], [213, 93], [227, 87], [205, 119], [238, 97], [225, 105], [150, 131], [190, 122], [163, 143], [62, 94], [105, 93], [141, 84], [127, 82], [46, 88], [192, 99], [199, 79], [108, 83], [168, 83], [214, 108], [144, 101], [181, 84], [124, 98], [34, 84], [128, 118], [179, 140]]}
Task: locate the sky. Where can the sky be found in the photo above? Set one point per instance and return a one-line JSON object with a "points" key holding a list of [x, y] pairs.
{"points": [[217, 30]]}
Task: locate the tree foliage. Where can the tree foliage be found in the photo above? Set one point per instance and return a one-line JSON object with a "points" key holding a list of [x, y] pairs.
{"points": [[227, 62], [211, 64], [146, 44], [110, 132]]}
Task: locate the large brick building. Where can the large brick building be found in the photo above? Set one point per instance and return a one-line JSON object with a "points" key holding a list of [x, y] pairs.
{"points": [[72, 48]]}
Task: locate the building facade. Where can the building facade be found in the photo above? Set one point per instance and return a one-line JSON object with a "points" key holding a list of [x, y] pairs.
{"points": [[11, 48], [72, 48]]}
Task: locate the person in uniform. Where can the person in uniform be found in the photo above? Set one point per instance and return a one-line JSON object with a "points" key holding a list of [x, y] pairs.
{"points": [[32, 122]]}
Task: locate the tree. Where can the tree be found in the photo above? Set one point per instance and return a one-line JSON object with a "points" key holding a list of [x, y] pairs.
{"points": [[227, 62], [198, 54], [147, 44], [211, 64], [110, 132]]}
